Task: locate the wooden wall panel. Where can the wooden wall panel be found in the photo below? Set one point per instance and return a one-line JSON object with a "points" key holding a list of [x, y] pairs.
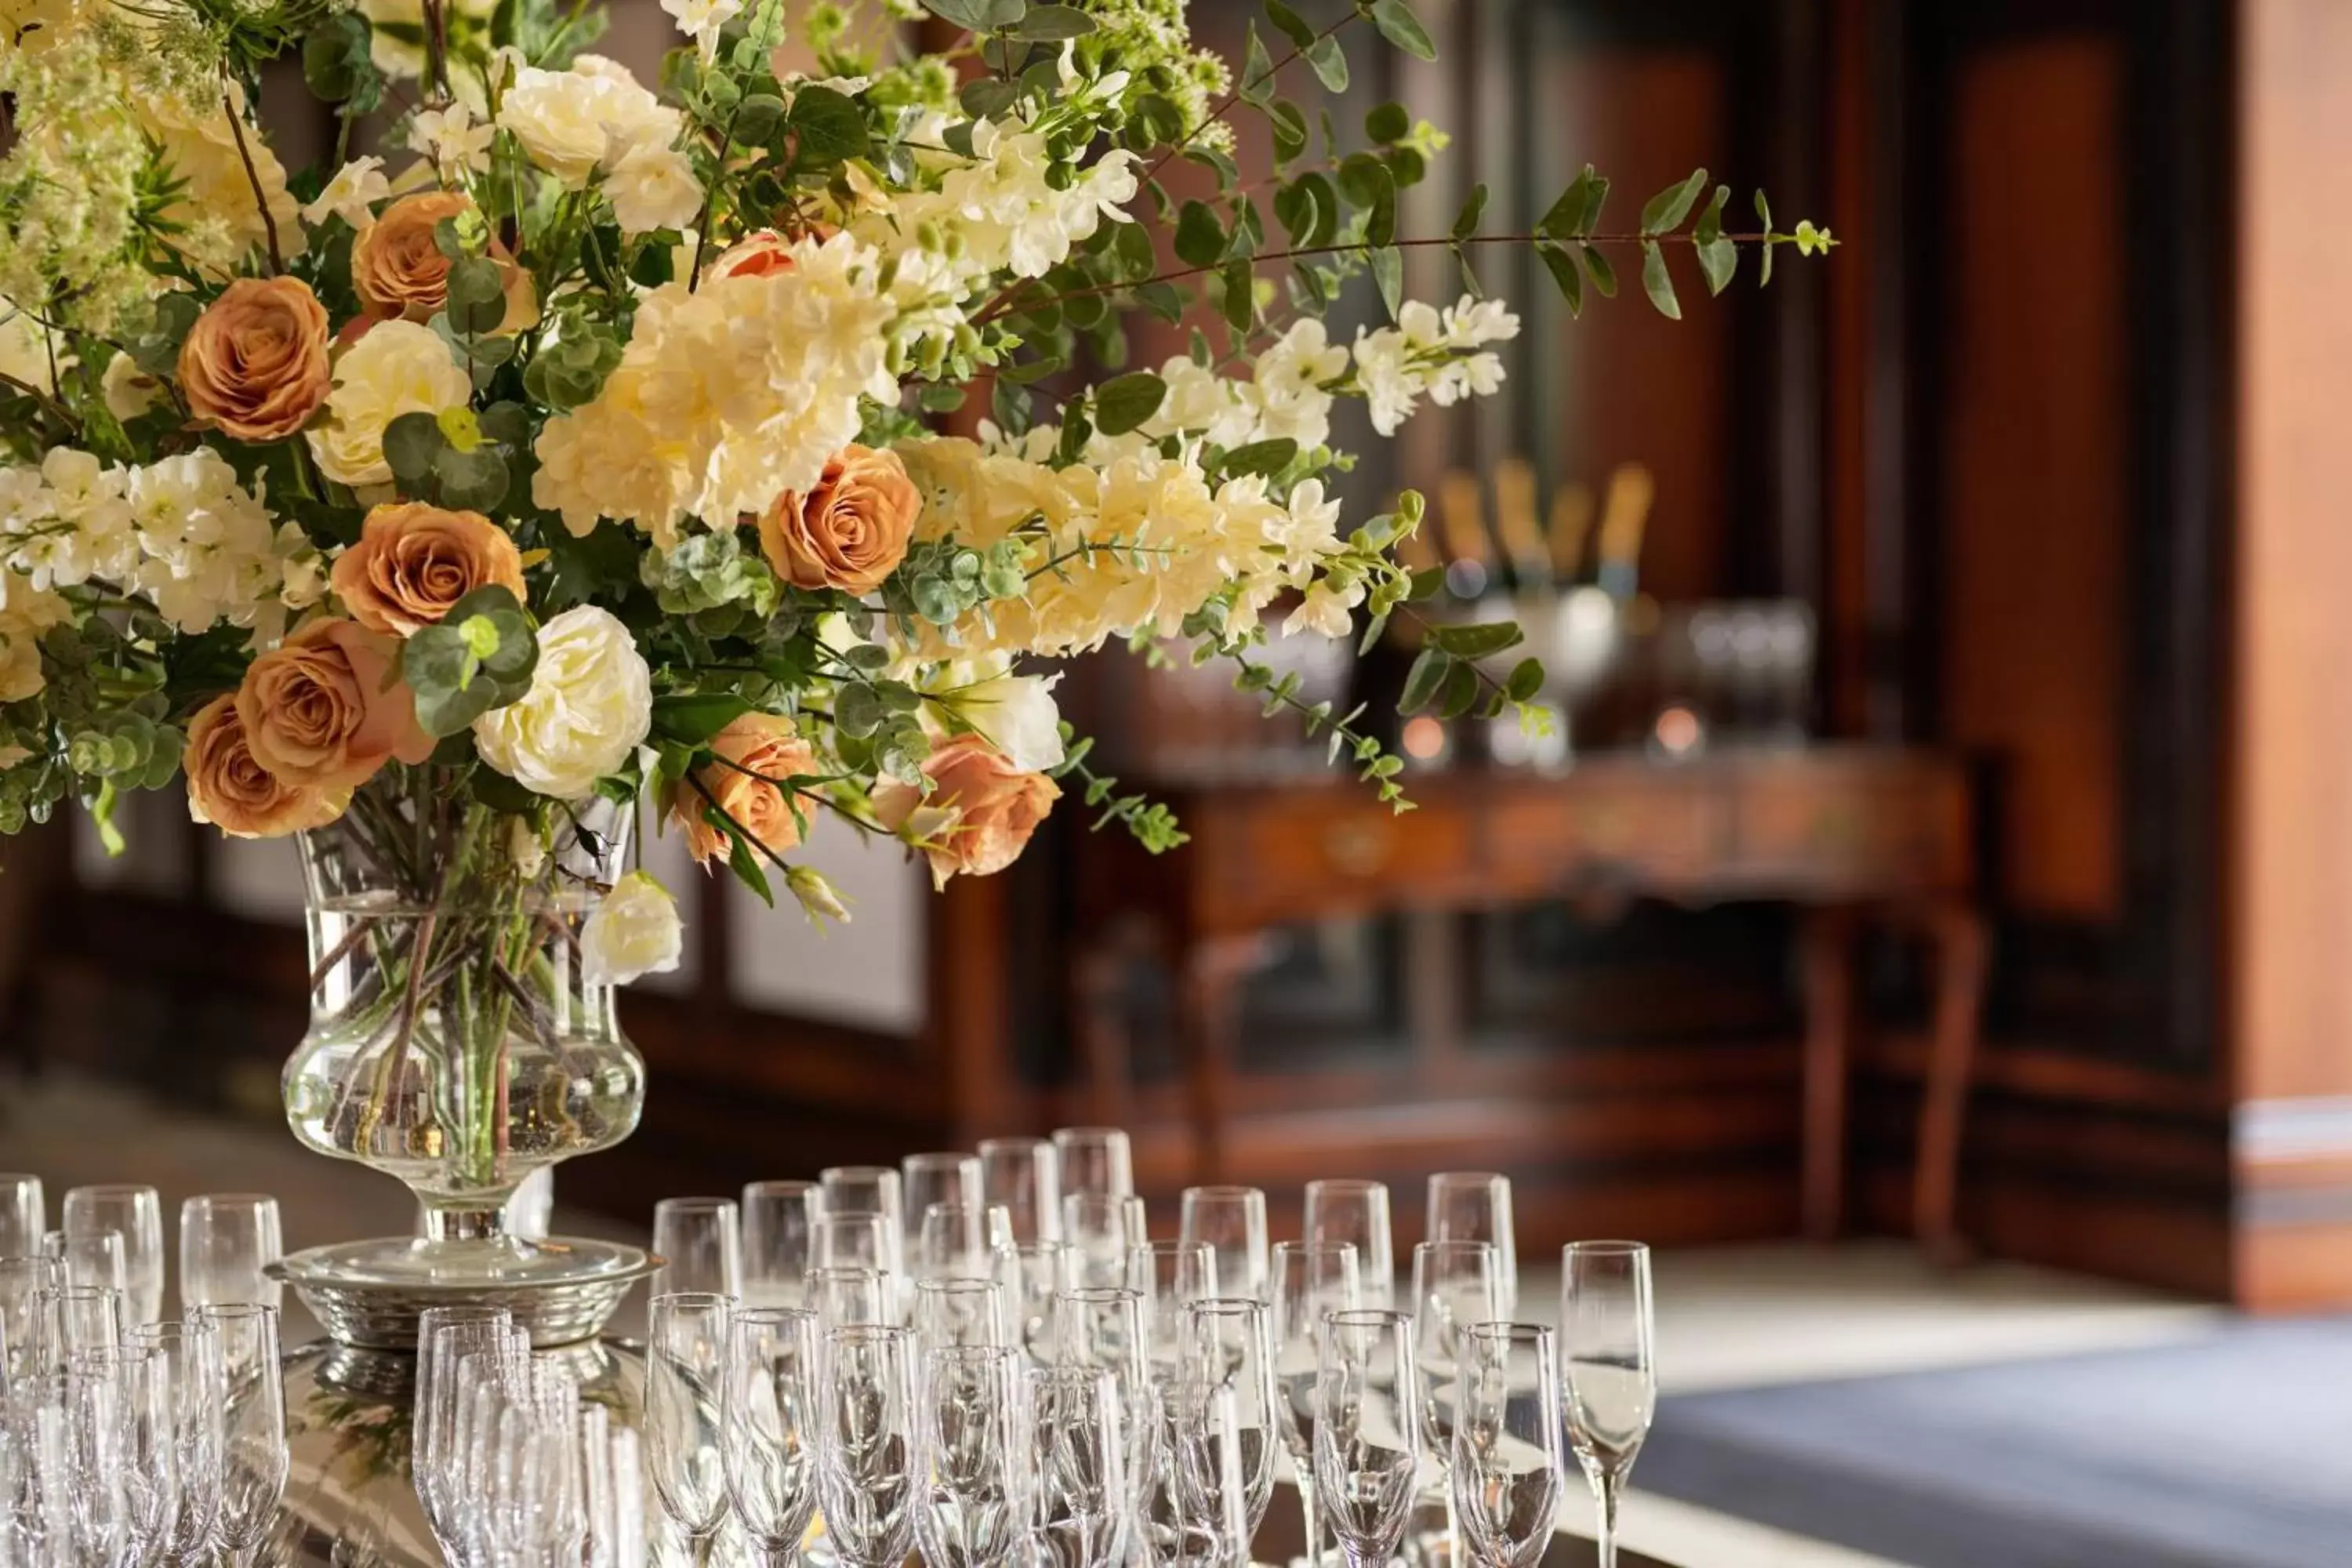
{"points": [[2033, 416]]}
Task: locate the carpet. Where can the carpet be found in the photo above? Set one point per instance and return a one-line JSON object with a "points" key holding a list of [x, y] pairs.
{"points": [[2228, 1450]]}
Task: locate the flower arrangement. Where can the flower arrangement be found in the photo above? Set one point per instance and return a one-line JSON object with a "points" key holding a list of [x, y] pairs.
{"points": [[585, 440]]}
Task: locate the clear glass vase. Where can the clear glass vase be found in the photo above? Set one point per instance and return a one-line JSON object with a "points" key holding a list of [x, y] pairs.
{"points": [[457, 1041]]}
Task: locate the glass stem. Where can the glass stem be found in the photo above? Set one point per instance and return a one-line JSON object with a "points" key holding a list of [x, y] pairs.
{"points": [[1314, 1512], [1608, 1487]]}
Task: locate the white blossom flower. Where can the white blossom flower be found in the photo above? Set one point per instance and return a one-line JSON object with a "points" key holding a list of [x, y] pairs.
{"points": [[1017, 714], [398, 367], [634, 931], [653, 186], [590, 704], [453, 140], [351, 194], [702, 20], [1325, 611], [130, 392]]}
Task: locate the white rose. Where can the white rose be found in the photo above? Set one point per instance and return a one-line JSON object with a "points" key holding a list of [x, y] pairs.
{"points": [[635, 930], [554, 115], [654, 187], [1017, 714], [591, 701], [399, 367], [130, 391]]}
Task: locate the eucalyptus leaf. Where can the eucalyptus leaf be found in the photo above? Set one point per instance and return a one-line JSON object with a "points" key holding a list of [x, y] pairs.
{"points": [[1388, 123], [1293, 25], [1659, 283], [1200, 236], [830, 126], [1387, 276], [1465, 222], [1718, 259], [1563, 269], [1600, 269], [1052, 23], [1125, 401], [1400, 26], [1328, 62], [1260, 458], [1663, 213], [411, 443]]}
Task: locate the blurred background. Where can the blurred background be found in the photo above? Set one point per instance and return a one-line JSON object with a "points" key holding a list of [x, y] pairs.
{"points": [[1941, 849]]}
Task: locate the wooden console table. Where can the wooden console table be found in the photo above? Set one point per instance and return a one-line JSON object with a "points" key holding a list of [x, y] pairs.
{"points": [[1848, 833]]}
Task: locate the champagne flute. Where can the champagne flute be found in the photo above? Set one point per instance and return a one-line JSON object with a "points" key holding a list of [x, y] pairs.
{"points": [[1476, 1205], [1609, 1377], [869, 1189], [955, 1311], [1312, 1281], [89, 1257], [127, 1488], [23, 1216], [779, 1224], [770, 1439], [1024, 1174], [1228, 1344], [972, 1455], [21, 1281], [1083, 1505], [865, 1441], [189, 1350], [937, 1178], [1209, 1525], [252, 1423], [854, 1241], [685, 1382], [227, 1242], [1100, 1229], [1033, 1273], [1367, 1431], [1103, 1329], [1505, 1462], [842, 1296], [950, 1242], [1170, 1276], [1456, 1284], [700, 1244], [1233, 1221], [72, 1318], [1095, 1160], [1356, 1212], [445, 1336], [136, 1213]]}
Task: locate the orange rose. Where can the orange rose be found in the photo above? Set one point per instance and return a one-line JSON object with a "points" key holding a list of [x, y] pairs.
{"points": [[980, 813], [757, 745], [397, 269], [850, 530], [254, 365], [414, 561], [230, 789], [765, 251], [325, 710]]}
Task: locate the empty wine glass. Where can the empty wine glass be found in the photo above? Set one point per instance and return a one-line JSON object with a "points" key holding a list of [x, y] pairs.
{"points": [[1506, 1460], [1085, 1500], [445, 1336], [1476, 1205], [855, 1241], [1033, 1273], [1170, 1276], [1366, 1432], [950, 1242], [972, 1455], [252, 1423], [954, 1311], [1100, 1229], [1095, 1160], [1609, 1378], [23, 1216], [1228, 1343], [1024, 1175], [1103, 1329], [779, 1221], [1311, 1280], [127, 1485], [1456, 1284], [700, 1244], [842, 1296], [136, 1213], [685, 1382], [21, 1281], [770, 1436], [1208, 1486], [613, 1507], [937, 1178], [72, 1318], [862, 1189], [191, 1373], [227, 1242], [865, 1439], [1233, 1221], [89, 1257], [519, 1441], [1356, 1212]]}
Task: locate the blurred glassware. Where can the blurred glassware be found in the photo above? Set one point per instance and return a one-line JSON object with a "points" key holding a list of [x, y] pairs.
{"points": [[1455, 1285], [770, 1435], [21, 1281], [869, 1189], [24, 1216], [951, 1242], [779, 1220], [937, 1178], [1228, 1344], [612, 1473], [228, 1241], [89, 1257], [1097, 1160], [701, 1243], [1609, 1377], [974, 1458], [1232, 1220], [68, 1320], [1505, 1459], [517, 1435], [1033, 1273], [961, 1311], [136, 1213], [1476, 1205], [843, 1295], [444, 1337], [1209, 1477], [685, 1382], [1356, 1212], [866, 1444], [1085, 1502], [253, 1424], [1312, 1279], [126, 1481], [855, 1241], [1170, 1276], [1024, 1174], [196, 1390], [1103, 1329], [1367, 1431], [1100, 1230]]}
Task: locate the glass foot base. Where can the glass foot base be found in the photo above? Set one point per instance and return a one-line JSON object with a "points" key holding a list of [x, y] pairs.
{"points": [[371, 1293]]}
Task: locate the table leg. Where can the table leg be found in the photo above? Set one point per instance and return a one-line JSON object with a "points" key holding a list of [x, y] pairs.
{"points": [[1959, 933], [1828, 951], [1210, 1034]]}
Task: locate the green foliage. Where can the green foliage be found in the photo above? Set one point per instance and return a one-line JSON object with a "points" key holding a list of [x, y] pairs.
{"points": [[480, 657]]}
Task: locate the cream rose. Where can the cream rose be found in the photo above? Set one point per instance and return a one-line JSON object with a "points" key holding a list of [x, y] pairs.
{"points": [[570, 121], [129, 391], [653, 186], [397, 267], [1017, 713], [850, 530], [980, 813], [751, 750], [228, 788], [254, 365], [413, 563], [325, 708], [591, 701], [399, 367], [634, 931]]}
